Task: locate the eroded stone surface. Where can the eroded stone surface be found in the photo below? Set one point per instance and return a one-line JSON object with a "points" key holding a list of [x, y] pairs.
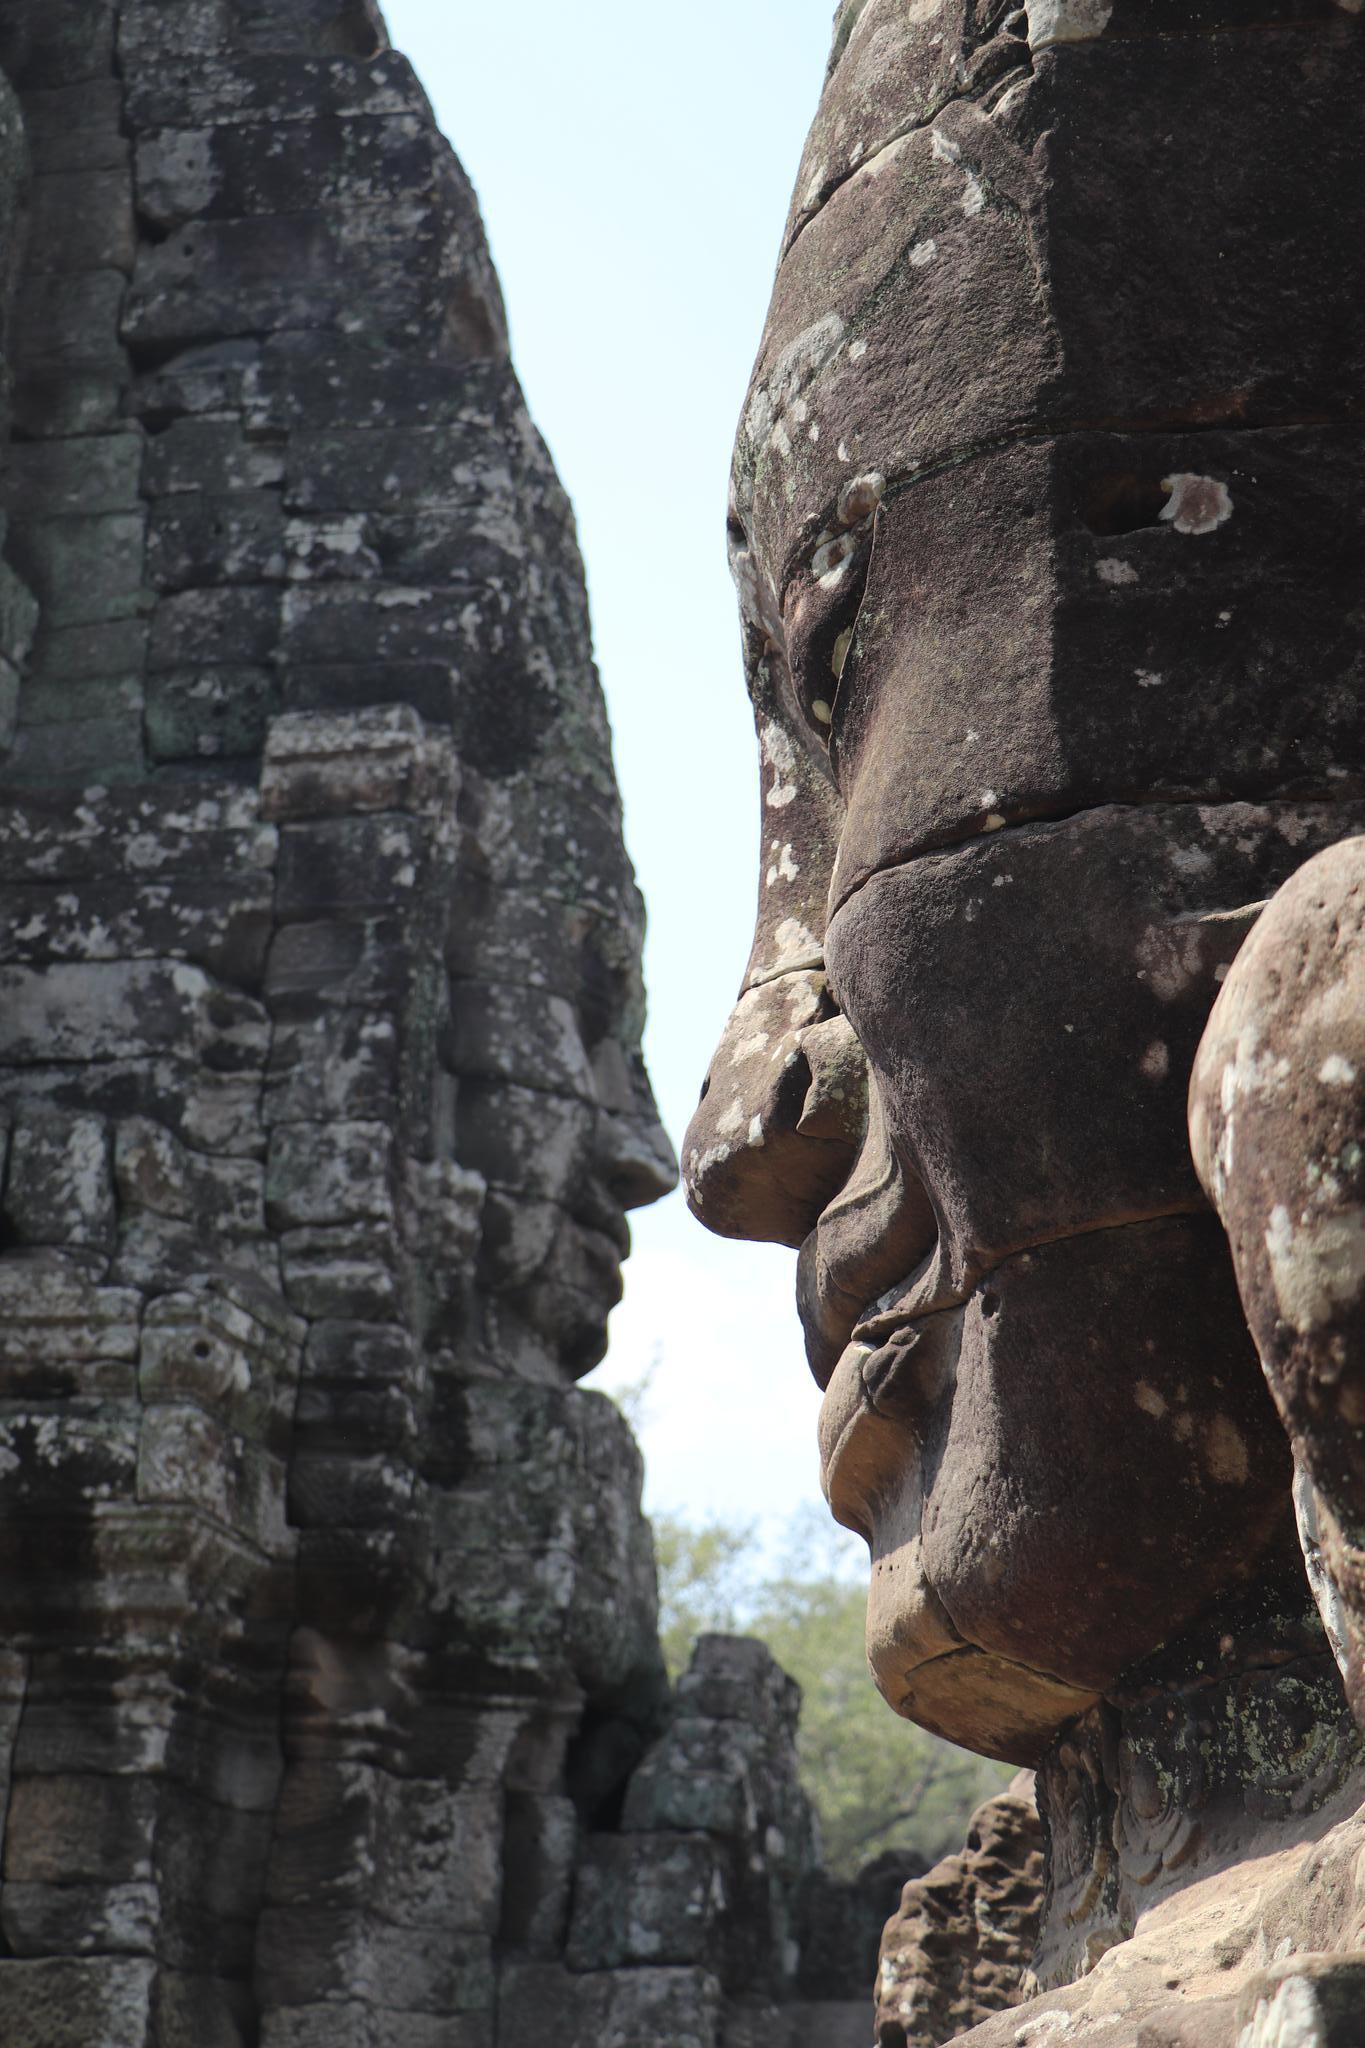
{"points": [[961, 1943], [1276, 1129]]}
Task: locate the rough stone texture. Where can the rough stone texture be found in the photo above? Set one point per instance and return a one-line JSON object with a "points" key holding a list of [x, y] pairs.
{"points": [[701, 1913], [1276, 1125], [1044, 520], [963, 1938]]}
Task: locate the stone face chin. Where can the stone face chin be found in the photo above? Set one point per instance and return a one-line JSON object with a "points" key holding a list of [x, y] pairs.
{"points": [[1012, 1541]]}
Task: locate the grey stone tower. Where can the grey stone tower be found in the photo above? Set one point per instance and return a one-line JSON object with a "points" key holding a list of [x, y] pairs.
{"points": [[325, 1595]]}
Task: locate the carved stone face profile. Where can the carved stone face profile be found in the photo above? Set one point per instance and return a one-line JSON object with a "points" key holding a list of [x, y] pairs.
{"points": [[1039, 720], [555, 1108]]}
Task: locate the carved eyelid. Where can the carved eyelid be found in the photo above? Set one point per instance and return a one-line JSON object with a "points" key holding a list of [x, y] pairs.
{"points": [[858, 544], [852, 628]]}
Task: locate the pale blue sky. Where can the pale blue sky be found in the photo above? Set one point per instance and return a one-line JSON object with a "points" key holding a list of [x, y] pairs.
{"points": [[634, 167]]}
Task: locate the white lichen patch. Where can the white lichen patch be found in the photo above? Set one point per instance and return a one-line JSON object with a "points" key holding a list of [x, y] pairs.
{"points": [[1148, 679], [1291, 2019], [923, 253], [1113, 569], [783, 869], [778, 752], [1170, 957], [1336, 1072], [1045, 2029], [1156, 1061], [796, 946], [1225, 1452], [1329, 1601], [946, 151], [732, 1120], [829, 563], [1066, 21], [1317, 1265], [860, 497], [795, 368], [1196, 504]]}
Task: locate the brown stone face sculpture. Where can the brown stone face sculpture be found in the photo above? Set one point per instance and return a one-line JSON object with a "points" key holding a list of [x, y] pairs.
{"points": [[1277, 1124], [1044, 584]]}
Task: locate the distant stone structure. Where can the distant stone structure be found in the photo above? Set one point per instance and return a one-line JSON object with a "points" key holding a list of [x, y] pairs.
{"points": [[1048, 532], [954, 1948], [332, 1712]]}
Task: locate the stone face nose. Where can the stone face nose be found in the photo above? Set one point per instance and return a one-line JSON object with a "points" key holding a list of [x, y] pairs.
{"points": [[636, 1157], [776, 1132], [633, 1152]]}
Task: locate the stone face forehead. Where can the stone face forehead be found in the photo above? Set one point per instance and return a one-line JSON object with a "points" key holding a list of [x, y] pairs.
{"points": [[891, 69], [982, 245], [1045, 485]]}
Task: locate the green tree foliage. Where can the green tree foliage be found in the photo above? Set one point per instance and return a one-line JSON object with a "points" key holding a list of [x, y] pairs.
{"points": [[706, 1583], [876, 1781]]}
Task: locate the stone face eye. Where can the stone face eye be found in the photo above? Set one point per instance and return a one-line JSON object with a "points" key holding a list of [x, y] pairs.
{"points": [[819, 616]]}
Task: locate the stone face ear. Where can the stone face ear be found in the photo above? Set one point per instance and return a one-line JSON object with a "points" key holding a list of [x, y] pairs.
{"points": [[1277, 1128]]}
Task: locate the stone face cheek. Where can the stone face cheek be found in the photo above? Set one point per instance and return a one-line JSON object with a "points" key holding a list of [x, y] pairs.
{"points": [[1091, 620]]}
